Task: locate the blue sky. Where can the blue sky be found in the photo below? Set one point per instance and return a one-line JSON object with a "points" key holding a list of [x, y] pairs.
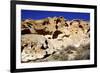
{"points": [[35, 15]]}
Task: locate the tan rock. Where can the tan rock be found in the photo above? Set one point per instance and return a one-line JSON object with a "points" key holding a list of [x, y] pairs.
{"points": [[49, 35]]}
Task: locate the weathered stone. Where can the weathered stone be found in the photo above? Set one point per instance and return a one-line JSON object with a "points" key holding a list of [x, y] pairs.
{"points": [[55, 38]]}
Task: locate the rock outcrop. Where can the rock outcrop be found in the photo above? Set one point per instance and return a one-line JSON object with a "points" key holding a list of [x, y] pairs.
{"points": [[55, 38]]}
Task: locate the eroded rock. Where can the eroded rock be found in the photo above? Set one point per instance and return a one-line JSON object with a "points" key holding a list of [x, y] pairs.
{"points": [[55, 38]]}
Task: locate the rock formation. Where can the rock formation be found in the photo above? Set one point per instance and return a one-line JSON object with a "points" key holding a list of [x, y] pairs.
{"points": [[55, 39]]}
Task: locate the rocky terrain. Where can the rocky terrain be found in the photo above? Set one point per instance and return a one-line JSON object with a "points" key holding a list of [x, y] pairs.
{"points": [[54, 39]]}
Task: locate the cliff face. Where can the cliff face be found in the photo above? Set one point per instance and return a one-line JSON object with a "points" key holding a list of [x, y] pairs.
{"points": [[55, 39]]}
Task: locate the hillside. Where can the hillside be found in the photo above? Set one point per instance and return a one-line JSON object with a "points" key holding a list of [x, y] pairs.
{"points": [[55, 39]]}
